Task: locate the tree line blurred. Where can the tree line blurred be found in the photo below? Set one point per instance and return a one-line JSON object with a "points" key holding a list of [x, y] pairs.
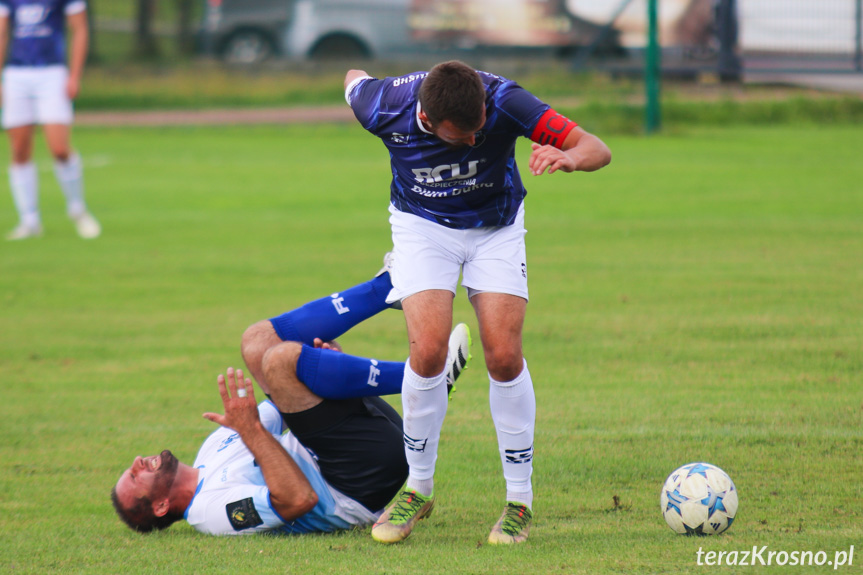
{"points": [[143, 17]]}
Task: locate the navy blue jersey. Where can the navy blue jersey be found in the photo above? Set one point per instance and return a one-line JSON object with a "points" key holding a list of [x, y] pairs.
{"points": [[459, 188], [37, 30]]}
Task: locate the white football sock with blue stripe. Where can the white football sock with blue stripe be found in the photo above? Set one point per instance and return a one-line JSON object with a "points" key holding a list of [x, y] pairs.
{"points": [[513, 410], [24, 181], [424, 404], [70, 176]]}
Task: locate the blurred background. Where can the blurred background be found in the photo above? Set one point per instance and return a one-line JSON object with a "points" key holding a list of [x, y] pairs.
{"points": [[190, 53], [762, 34]]}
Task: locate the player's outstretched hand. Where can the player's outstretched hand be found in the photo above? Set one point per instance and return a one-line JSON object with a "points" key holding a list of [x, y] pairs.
{"points": [[551, 158], [238, 397]]}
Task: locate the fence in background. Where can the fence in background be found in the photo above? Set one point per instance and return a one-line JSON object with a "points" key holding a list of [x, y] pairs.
{"points": [[731, 37], [724, 36], [802, 35]]}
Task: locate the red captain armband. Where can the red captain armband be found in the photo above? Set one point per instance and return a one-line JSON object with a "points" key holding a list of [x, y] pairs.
{"points": [[552, 129]]}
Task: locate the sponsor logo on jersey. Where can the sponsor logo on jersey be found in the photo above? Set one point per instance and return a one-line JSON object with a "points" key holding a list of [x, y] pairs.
{"points": [[30, 21], [30, 14], [445, 172], [471, 187], [228, 441], [243, 515], [400, 138]]}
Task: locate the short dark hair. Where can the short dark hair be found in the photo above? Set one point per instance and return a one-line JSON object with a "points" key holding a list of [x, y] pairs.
{"points": [[140, 517], [453, 91]]}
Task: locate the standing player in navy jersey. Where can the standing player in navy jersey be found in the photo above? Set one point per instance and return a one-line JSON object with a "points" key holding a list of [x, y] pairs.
{"points": [[457, 206], [38, 88]]}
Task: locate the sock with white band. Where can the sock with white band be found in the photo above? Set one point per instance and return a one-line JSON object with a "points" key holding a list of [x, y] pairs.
{"points": [[513, 410], [70, 176], [424, 404], [24, 181]]}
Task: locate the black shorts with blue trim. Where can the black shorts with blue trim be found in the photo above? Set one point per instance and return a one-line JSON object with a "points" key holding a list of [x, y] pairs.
{"points": [[359, 447]]}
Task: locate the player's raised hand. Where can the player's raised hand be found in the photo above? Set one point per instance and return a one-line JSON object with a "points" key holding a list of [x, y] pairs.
{"points": [[238, 397], [550, 158]]}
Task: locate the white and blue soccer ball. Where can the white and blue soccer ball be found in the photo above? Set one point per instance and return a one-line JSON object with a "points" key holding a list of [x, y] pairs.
{"points": [[698, 499]]}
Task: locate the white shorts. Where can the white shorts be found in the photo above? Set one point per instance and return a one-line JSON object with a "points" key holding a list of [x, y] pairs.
{"points": [[431, 256], [35, 96]]}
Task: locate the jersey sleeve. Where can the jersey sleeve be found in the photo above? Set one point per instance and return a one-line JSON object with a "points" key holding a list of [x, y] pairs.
{"points": [[74, 7], [533, 118], [236, 511], [271, 418], [364, 96]]}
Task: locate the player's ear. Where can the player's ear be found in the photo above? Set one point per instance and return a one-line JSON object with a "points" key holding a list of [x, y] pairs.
{"points": [[161, 507]]}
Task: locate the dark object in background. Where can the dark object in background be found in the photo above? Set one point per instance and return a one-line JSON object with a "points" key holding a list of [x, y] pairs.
{"points": [[730, 64]]}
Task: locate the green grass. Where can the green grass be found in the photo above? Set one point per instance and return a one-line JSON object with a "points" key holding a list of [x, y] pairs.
{"points": [[601, 104], [697, 300], [205, 85]]}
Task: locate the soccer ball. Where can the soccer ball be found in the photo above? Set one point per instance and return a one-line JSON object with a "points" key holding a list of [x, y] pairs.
{"points": [[699, 499]]}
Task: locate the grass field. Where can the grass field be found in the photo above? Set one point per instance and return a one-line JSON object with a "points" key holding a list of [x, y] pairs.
{"points": [[700, 299]]}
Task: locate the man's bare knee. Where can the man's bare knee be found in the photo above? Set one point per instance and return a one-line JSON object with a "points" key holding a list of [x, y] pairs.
{"points": [[257, 339], [280, 371], [504, 366], [281, 360], [428, 360]]}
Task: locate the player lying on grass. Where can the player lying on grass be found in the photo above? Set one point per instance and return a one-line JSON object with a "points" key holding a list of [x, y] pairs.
{"points": [[342, 460]]}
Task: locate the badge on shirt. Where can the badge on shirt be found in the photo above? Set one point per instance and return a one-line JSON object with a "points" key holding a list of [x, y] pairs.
{"points": [[243, 515]]}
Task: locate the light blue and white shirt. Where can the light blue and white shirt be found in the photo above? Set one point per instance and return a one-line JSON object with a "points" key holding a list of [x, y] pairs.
{"points": [[232, 497]]}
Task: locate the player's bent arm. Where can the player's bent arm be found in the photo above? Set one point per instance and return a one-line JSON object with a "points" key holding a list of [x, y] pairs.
{"points": [[353, 75], [291, 493], [590, 153], [580, 151]]}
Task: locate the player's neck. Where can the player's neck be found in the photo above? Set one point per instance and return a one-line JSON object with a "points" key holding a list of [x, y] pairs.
{"points": [[184, 488]]}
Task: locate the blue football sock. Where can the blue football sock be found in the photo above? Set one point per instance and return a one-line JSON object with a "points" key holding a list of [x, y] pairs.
{"points": [[334, 375], [330, 317]]}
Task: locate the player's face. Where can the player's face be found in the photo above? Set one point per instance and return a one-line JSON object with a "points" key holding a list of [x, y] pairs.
{"points": [[149, 477], [455, 137]]}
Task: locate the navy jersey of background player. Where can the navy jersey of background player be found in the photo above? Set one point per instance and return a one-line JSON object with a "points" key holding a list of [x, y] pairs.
{"points": [[37, 31], [465, 187]]}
